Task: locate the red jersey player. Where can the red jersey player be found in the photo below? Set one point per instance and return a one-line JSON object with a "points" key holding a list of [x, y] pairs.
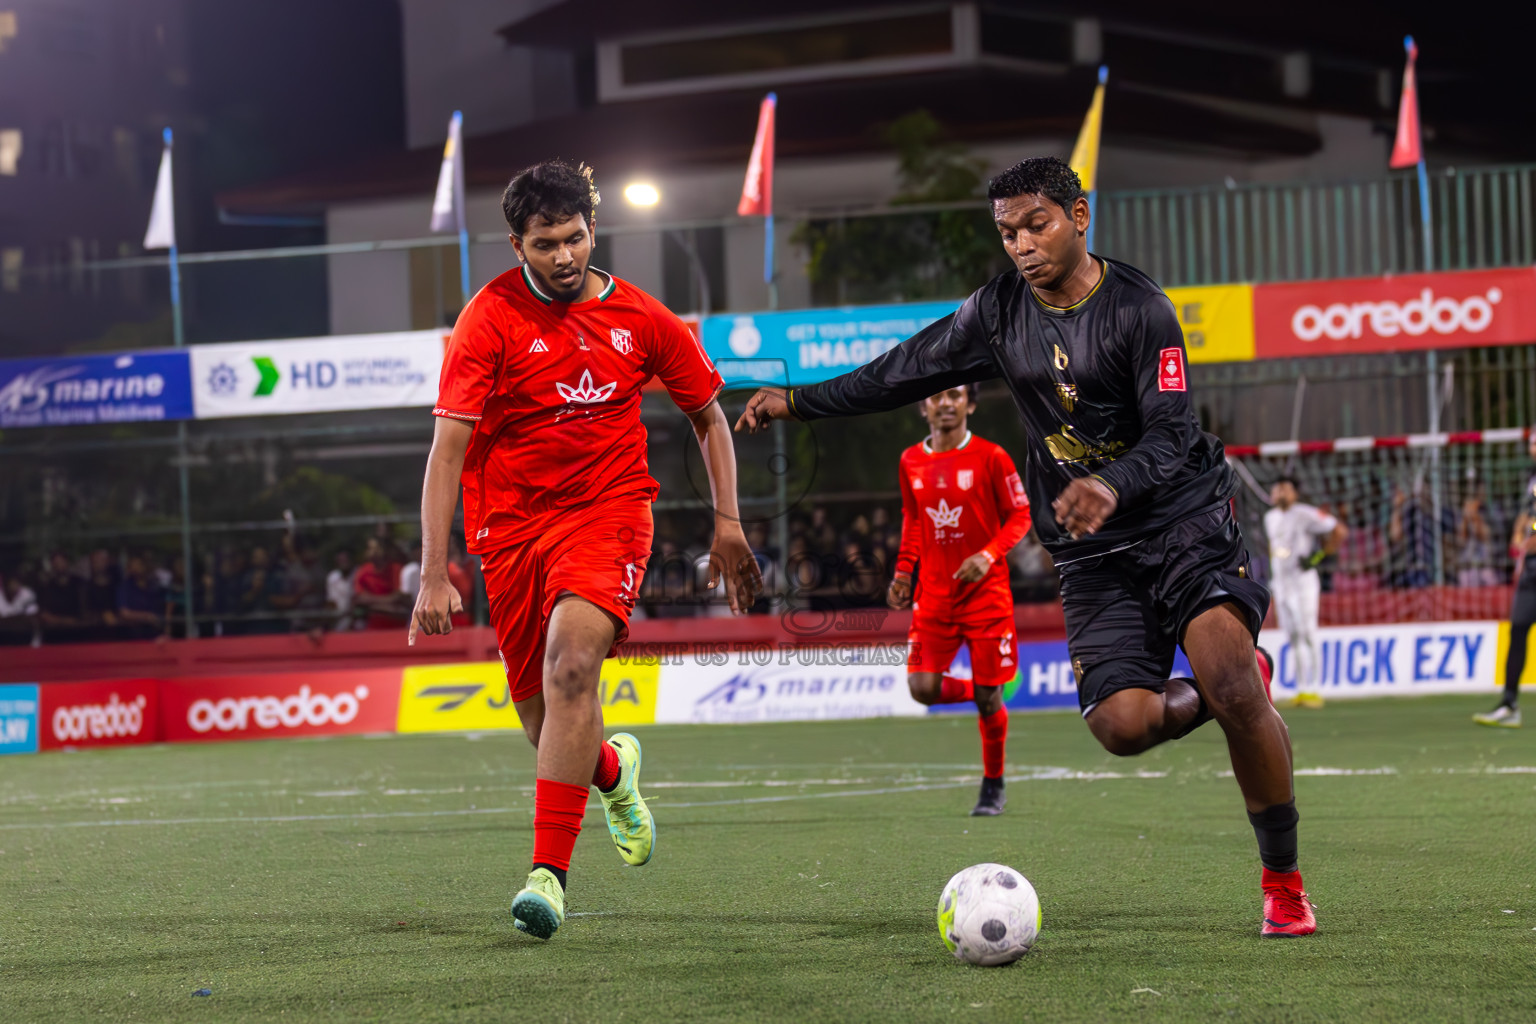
{"points": [[538, 413], [963, 510]]}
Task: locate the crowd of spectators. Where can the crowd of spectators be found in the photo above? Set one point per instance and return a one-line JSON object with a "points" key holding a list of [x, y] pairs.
{"points": [[832, 562], [287, 585]]}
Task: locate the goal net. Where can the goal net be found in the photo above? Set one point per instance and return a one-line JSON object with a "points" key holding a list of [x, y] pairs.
{"points": [[1429, 520]]}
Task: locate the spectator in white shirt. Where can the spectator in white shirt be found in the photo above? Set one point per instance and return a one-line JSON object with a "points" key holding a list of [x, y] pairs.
{"points": [[338, 590]]}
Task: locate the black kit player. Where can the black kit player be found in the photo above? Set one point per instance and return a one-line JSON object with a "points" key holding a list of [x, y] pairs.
{"points": [[1142, 534], [1522, 611]]}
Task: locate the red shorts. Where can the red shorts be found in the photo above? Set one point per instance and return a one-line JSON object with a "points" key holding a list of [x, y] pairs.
{"points": [[931, 646], [598, 554]]}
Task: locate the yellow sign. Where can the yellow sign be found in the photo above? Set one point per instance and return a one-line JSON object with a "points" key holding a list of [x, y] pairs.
{"points": [[1217, 321], [474, 697], [1527, 677]]}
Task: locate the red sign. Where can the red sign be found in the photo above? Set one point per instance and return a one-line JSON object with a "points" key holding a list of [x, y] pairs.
{"points": [[1170, 370], [1387, 314], [287, 704], [110, 714]]}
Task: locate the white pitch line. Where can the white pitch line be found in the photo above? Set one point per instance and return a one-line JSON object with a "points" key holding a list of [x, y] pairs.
{"points": [[1043, 775]]}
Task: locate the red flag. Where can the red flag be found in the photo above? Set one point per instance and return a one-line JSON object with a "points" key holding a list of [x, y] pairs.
{"points": [[757, 190], [1406, 147]]}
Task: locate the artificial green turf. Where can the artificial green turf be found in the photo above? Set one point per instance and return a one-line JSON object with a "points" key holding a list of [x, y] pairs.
{"points": [[814, 903]]}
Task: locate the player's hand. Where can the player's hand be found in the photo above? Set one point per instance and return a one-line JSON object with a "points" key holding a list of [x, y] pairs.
{"points": [[730, 558], [974, 568], [436, 603], [899, 596], [763, 408], [1084, 506]]}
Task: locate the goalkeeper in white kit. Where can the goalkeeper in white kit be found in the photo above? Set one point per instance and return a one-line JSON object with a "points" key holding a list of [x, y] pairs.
{"points": [[1294, 529]]}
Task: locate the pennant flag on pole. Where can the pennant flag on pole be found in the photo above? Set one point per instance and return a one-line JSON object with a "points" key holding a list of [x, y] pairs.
{"points": [[448, 204], [1085, 155], [757, 189], [1406, 147], [161, 233]]}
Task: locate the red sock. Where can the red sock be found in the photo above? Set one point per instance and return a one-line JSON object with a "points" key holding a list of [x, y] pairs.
{"points": [[956, 691], [994, 737], [557, 811], [607, 774]]}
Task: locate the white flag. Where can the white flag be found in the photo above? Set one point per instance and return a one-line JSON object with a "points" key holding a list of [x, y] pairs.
{"points": [[161, 233], [448, 204]]}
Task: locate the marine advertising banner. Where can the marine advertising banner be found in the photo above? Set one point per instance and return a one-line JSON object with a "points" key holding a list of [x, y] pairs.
{"points": [[129, 387]]}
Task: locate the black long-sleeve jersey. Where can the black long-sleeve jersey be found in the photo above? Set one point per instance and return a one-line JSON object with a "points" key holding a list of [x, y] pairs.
{"points": [[1101, 386]]}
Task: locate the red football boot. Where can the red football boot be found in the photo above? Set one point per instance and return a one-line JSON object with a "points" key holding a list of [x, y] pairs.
{"points": [[1266, 670], [1287, 911]]}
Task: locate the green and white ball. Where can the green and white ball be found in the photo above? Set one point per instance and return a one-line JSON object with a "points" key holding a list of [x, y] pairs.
{"points": [[989, 915]]}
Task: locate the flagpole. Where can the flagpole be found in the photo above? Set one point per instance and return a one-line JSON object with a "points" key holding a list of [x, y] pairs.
{"points": [[458, 172], [1085, 154], [183, 474], [1427, 232]]}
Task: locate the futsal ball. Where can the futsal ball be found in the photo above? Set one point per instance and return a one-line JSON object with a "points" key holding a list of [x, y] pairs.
{"points": [[989, 915]]}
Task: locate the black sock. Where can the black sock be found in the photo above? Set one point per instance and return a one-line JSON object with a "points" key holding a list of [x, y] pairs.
{"points": [[559, 873], [1275, 828]]}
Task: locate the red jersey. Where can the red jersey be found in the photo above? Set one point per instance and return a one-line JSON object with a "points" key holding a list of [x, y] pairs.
{"points": [[554, 391], [956, 504]]}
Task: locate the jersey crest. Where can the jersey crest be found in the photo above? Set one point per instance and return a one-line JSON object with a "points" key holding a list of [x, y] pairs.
{"points": [[964, 478], [623, 341]]}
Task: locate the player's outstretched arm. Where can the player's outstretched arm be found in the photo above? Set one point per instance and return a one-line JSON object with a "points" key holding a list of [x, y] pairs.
{"points": [[730, 557], [438, 600]]}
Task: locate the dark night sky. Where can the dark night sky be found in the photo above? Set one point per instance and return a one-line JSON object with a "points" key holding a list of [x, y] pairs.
{"points": [[282, 86]]}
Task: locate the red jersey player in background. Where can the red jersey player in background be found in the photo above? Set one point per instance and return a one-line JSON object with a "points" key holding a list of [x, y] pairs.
{"points": [[963, 510], [538, 414]]}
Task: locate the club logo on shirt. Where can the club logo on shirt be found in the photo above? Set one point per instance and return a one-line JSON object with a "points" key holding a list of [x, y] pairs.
{"points": [[584, 393], [1170, 370], [538, 346], [917, 482], [945, 517], [1066, 394], [622, 340], [964, 479]]}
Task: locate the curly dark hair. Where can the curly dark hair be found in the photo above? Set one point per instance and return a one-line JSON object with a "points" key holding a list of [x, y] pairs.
{"points": [[554, 191], [1038, 176]]}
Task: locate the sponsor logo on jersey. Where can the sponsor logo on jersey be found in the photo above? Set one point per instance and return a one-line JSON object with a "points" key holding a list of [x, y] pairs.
{"points": [[584, 393], [1170, 370], [622, 340], [1016, 489], [538, 346], [945, 517], [965, 478]]}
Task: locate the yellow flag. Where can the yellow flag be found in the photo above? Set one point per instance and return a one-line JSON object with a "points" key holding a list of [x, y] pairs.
{"points": [[1085, 155]]}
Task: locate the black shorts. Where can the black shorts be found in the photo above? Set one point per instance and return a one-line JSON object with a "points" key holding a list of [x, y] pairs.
{"points": [[1126, 611]]}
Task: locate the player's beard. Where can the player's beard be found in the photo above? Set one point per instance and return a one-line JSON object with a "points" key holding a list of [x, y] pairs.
{"points": [[563, 293]]}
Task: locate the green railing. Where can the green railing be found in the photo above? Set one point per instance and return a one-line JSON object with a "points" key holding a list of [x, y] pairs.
{"points": [[1292, 231]]}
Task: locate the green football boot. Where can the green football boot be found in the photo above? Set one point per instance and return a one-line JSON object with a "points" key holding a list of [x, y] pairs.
{"points": [[629, 820], [539, 909]]}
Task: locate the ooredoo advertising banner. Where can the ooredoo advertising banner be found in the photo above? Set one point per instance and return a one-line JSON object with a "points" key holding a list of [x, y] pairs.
{"points": [[360, 371], [1386, 314], [110, 714], [290, 704]]}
